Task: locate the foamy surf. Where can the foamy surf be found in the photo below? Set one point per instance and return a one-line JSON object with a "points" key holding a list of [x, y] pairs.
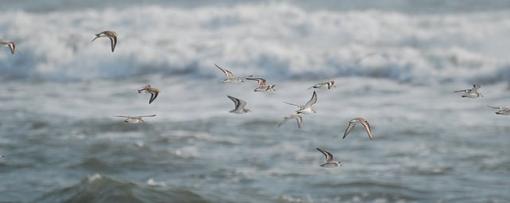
{"points": [[397, 69], [281, 40]]}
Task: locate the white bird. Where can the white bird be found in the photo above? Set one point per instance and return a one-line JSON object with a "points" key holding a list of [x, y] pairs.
{"points": [[229, 76], [330, 160], [328, 84], [110, 35], [263, 86], [308, 107], [11, 45], [298, 116], [471, 93], [135, 119], [501, 110], [238, 105], [363, 122]]}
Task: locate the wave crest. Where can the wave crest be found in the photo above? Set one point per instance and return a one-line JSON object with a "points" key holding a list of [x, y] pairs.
{"points": [[98, 188], [279, 40]]}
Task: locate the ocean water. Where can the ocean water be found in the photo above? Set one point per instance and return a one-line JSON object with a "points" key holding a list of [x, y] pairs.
{"points": [[396, 63]]}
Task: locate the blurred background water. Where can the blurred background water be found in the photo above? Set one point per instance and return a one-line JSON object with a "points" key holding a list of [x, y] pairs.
{"points": [[395, 62]]}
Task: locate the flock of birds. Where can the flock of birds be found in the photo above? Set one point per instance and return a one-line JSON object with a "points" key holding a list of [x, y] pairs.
{"points": [[264, 86]]}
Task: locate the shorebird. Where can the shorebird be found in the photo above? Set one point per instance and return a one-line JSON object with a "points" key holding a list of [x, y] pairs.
{"points": [[263, 85], [501, 110], [238, 105], [153, 91], [11, 45], [471, 93], [135, 119], [229, 76], [308, 107], [297, 116], [363, 122], [330, 160], [110, 35], [327, 84]]}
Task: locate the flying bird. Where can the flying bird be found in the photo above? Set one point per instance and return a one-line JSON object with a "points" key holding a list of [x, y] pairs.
{"points": [[229, 76], [11, 45], [363, 122], [501, 110], [470, 93], [308, 107], [238, 105], [153, 91], [328, 84], [135, 119], [110, 35], [330, 160], [263, 86]]}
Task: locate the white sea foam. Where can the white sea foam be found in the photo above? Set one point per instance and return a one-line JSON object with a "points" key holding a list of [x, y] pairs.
{"points": [[152, 182], [94, 177], [272, 39]]}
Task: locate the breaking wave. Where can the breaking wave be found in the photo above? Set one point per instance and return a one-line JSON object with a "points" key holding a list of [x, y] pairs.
{"points": [[97, 188], [279, 40]]}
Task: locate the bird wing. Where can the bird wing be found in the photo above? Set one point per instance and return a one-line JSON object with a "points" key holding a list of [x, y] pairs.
{"points": [[292, 104], [12, 47], [153, 97], [237, 102], [312, 100], [328, 155], [299, 120], [97, 36], [227, 73], [146, 116], [260, 81], [113, 41], [367, 128], [349, 129], [466, 90], [242, 103], [495, 107]]}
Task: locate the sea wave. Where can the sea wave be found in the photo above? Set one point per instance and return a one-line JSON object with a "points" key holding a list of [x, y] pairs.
{"points": [[99, 188], [281, 41]]}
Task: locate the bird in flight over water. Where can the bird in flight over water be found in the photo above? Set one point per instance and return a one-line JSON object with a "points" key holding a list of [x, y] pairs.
{"points": [[151, 90], [238, 105], [330, 160], [11, 45], [363, 122], [308, 107], [470, 93], [110, 35]]}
